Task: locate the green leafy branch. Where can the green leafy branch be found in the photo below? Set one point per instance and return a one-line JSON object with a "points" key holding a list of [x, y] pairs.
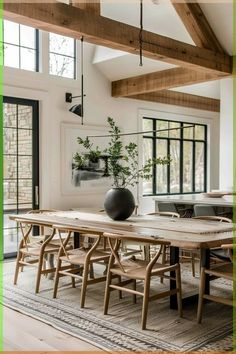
{"points": [[123, 164]]}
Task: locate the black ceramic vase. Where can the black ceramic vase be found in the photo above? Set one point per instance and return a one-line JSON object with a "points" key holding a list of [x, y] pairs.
{"points": [[119, 203]]}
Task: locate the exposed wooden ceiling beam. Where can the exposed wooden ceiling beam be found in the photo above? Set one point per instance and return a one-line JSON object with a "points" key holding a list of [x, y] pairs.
{"points": [[180, 99], [68, 20], [157, 81], [197, 25], [88, 5]]}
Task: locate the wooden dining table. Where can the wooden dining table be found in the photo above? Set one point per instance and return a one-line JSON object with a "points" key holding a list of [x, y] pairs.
{"points": [[191, 234]]}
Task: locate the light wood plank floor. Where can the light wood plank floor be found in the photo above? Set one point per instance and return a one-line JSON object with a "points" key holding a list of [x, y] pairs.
{"points": [[23, 333]]}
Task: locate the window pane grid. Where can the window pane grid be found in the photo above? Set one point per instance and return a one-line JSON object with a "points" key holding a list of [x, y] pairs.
{"points": [[62, 56], [20, 46], [187, 172]]}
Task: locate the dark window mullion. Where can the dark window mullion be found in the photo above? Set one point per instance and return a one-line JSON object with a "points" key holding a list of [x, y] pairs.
{"points": [[75, 56], [63, 55], [20, 46], [37, 50], [17, 167], [181, 159], [193, 167], [154, 146], [205, 160], [168, 167]]}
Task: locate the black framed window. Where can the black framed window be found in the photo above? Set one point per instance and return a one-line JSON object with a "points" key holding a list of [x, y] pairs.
{"points": [[21, 46], [62, 56], [187, 148]]}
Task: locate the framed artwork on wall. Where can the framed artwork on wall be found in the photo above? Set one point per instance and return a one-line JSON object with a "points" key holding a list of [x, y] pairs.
{"points": [[90, 178]]}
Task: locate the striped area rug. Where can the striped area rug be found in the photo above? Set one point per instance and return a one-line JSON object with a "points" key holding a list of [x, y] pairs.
{"points": [[120, 329]]}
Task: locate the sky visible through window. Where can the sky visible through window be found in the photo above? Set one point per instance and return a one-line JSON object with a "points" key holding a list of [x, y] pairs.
{"points": [[20, 46]]}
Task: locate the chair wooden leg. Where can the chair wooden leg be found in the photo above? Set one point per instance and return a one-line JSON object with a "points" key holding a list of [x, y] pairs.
{"points": [[84, 284], [45, 266], [73, 282], [201, 294], [91, 271], [145, 302], [134, 295], [105, 271], [120, 292], [19, 255], [39, 273], [22, 267], [56, 279], [146, 253], [193, 264], [107, 293], [163, 261], [179, 293]]}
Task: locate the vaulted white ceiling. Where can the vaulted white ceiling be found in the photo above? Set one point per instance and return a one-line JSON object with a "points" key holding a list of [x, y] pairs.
{"points": [[161, 18]]}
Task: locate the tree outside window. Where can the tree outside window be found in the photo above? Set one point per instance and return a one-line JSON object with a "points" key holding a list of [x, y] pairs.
{"points": [[62, 58], [187, 148]]}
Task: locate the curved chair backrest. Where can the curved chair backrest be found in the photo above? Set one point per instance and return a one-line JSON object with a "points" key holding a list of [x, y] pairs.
{"points": [[166, 213], [41, 211], [213, 218], [204, 210]]}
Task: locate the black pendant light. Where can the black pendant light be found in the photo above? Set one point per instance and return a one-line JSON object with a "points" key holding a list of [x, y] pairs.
{"points": [[141, 35], [78, 109]]}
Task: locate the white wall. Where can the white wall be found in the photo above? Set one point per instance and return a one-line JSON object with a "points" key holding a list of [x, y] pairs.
{"points": [[226, 135], [99, 104]]}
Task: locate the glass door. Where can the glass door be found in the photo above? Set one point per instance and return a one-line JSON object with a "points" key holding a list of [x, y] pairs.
{"points": [[21, 165]]}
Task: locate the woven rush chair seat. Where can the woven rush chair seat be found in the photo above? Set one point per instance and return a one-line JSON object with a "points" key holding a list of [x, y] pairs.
{"points": [[138, 268], [34, 250], [129, 271], [225, 271], [54, 242], [78, 256], [78, 263]]}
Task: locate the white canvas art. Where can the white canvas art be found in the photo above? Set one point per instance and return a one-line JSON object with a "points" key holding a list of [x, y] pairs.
{"points": [[92, 177]]}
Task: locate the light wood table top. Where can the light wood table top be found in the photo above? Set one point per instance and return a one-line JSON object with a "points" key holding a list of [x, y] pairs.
{"points": [[183, 233]]}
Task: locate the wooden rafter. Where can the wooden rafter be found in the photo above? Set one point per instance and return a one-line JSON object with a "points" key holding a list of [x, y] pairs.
{"points": [[157, 81], [71, 21], [88, 5], [197, 25], [180, 99]]}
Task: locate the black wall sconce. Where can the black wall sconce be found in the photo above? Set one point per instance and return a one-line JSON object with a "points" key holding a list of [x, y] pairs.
{"points": [[77, 108]]}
